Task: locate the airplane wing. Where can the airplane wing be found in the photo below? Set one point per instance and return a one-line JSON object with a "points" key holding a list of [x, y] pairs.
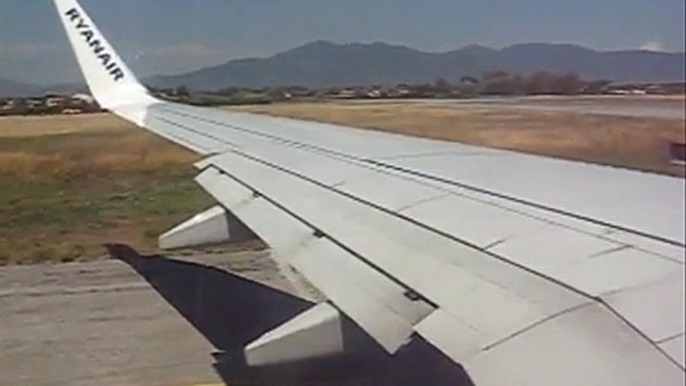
{"points": [[525, 270]]}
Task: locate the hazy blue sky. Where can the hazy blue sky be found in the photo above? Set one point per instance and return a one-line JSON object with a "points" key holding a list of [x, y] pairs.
{"points": [[167, 36]]}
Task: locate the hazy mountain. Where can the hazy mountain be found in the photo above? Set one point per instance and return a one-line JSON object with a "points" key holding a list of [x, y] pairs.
{"points": [[323, 63]]}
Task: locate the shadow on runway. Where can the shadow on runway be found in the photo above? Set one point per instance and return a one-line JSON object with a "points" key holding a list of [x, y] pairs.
{"points": [[231, 312]]}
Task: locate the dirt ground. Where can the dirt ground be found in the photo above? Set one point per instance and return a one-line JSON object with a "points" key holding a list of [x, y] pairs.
{"points": [[152, 320]]}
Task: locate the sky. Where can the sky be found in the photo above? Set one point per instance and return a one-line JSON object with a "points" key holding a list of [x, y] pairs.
{"points": [[175, 36]]}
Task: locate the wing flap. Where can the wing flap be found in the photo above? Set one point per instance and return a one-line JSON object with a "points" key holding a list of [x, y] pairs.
{"points": [[587, 338], [376, 303], [479, 285], [676, 347], [455, 338], [658, 309], [470, 287], [587, 345]]}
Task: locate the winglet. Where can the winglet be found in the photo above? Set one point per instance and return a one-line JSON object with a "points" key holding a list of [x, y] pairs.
{"points": [[110, 80]]}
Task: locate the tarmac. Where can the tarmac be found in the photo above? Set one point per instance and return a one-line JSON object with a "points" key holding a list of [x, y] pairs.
{"points": [[138, 320], [627, 107]]}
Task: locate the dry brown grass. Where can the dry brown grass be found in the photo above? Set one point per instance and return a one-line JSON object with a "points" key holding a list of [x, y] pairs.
{"points": [[636, 143], [88, 145], [134, 159], [22, 127], [68, 185]]}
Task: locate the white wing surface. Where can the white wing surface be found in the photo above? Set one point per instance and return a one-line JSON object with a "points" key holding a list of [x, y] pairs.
{"points": [[526, 270]]}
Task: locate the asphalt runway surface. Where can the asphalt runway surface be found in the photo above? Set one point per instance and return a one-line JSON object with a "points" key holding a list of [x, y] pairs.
{"points": [[174, 321], [630, 107]]}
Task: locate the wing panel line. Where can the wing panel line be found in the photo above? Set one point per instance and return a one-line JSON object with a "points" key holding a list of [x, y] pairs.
{"points": [[439, 179], [417, 223], [597, 300]]}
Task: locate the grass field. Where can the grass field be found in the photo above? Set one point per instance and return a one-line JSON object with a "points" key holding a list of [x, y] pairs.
{"points": [[68, 185], [635, 143]]}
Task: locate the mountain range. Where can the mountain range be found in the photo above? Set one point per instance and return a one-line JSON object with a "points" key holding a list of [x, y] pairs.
{"points": [[325, 64], [322, 64]]}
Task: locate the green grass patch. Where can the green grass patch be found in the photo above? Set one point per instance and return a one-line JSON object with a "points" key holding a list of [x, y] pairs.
{"points": [[59, 222], [63, 196]]}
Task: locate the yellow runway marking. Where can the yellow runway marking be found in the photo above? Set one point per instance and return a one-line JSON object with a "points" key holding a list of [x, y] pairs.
{"points": [[207, 384]]}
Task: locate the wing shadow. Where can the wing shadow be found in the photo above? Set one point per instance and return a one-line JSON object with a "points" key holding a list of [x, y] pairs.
{"points": [[230, 312]]}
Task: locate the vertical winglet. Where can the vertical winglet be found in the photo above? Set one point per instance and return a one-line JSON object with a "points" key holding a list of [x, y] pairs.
{"points": [[110, 80]]}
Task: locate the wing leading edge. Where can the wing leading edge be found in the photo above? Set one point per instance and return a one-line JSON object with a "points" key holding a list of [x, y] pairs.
{"points": [[406, 244]]}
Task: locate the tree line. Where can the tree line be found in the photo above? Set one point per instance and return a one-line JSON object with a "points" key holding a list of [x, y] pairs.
{"points": [[502, 83], [494, 83]]}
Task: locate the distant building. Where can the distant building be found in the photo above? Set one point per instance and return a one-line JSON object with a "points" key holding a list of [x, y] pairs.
{"points": [[55, 101], [667, 89], [72, 111], [83, 98], [400, 91], [677, 153], [347, 93], [374, 94], [296, 92], [34, 102], [627, 91]]}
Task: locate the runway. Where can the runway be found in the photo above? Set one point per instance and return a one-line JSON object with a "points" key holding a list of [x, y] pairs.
{"points": [[173, 321], [629, 107], [97, 323]]}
